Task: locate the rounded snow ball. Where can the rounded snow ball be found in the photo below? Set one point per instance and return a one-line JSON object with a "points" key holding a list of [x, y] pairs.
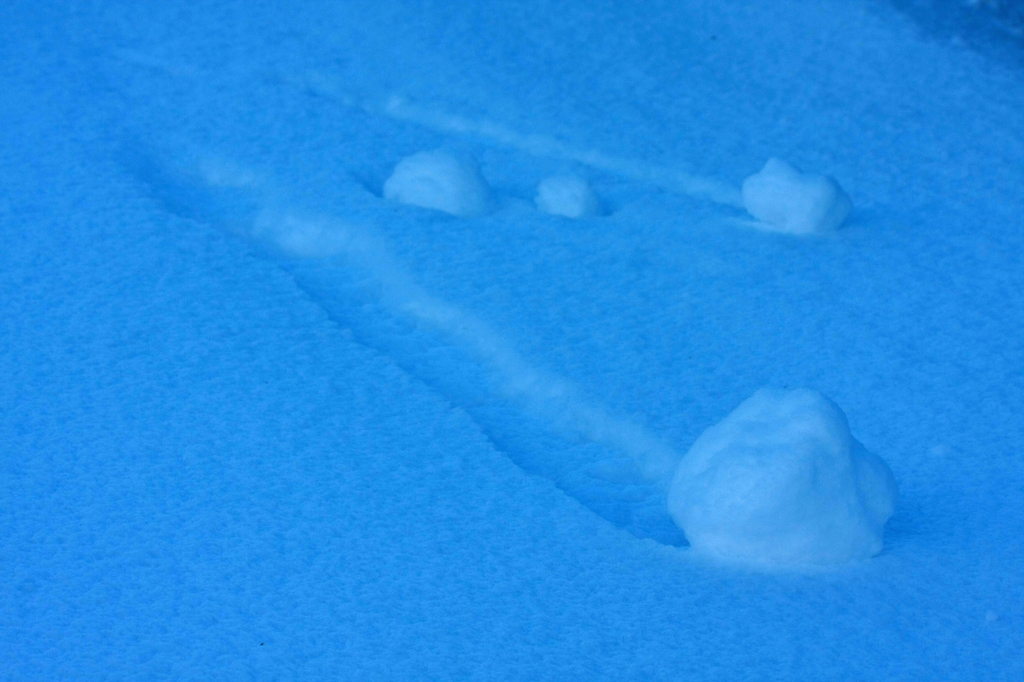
{"points": [[786, 200], [441, 181], [567, 195], [781, 481]]}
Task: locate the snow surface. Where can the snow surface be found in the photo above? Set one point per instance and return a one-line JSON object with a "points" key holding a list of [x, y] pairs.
{"points": [[567, 195], [439, 180], [781, 481], [260, 422], [786, 200]]}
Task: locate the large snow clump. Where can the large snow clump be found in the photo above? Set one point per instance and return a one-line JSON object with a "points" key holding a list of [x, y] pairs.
{"points": [[781, 481], [441, 181], [567, 195], [786, 200]]}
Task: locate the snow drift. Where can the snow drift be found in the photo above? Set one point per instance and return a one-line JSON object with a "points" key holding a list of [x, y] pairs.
{"points": [[782, 481], [786, 200], [441, 181]]}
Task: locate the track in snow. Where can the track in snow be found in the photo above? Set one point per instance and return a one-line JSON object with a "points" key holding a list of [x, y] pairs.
{"points": [[544, 423]]}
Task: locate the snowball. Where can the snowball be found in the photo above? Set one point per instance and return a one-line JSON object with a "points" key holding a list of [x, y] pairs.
{"points": [[567, 195], [438, 180], [781, 481], [786, 200]]}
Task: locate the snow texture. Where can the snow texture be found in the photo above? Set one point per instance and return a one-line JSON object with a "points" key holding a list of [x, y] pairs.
{"points": [[441, 181], [786, 200], [781, 481], [668, 178], [549, 396], [261, 420], [567, 195]]}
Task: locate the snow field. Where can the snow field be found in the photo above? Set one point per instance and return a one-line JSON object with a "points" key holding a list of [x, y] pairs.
{"points": [[439, 180], [311, 467], [786, 200], [781, 481], [567, 195]]}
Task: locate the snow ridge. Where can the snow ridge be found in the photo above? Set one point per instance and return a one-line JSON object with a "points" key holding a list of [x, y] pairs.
{"points": [[669, 179], [553, 397]]}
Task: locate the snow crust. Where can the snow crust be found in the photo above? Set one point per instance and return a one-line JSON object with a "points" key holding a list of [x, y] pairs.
{"points": [[786, 200], [782, 481], [567, 195], [441, 181]]}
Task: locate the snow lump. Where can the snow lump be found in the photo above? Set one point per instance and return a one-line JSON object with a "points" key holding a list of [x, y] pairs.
{"points": [[781, 481], [441, 181], [567, 195], [786, 200]]}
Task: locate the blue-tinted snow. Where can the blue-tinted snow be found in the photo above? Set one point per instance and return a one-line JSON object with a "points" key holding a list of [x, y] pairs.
{"points": [[786, 200], [259, 422], [782, 481], [438, 180], [567, 195]]}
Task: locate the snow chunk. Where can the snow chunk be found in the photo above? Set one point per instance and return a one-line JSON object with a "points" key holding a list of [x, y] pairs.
{"points": [[567, 195], [439, 180], [781, 481], [786, 200]]}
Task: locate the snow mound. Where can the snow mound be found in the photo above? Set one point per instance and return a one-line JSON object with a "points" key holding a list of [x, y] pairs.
{"points": [[786, 200], [567, 195], [441, 181], [780, 481]]}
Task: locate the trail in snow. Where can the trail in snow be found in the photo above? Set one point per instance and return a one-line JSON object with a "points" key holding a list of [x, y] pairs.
{"points": [[669, 179], [545, 393], [438, 120], [337, 248], [435, 118]]}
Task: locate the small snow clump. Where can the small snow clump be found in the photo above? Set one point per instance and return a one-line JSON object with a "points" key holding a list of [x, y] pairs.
{"points": [[786, 200], [781, 481], [567, 195], [439, 180]]}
